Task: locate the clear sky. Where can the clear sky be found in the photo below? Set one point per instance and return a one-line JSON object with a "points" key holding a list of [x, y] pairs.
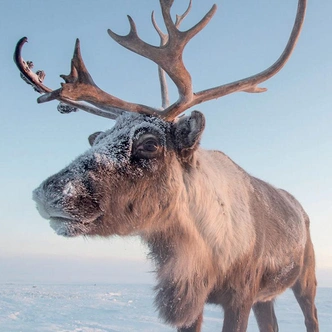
{"points": [[283, 136]]}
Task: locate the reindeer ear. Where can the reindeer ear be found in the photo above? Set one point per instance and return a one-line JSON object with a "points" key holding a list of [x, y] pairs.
{"points": [[92, 137], [188, 132]]}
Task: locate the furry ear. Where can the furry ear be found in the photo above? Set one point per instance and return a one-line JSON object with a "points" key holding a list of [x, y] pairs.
{"points": [[93, 136], [187, 132]]}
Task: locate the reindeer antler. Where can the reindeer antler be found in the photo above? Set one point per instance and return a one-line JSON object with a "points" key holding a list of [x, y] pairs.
{"points": [[249, 84], [163, 42], [36, 80], [169, 56], [79, 85]]}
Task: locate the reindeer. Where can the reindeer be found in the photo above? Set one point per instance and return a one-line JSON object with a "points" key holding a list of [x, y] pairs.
{"points": [[215, 233]]}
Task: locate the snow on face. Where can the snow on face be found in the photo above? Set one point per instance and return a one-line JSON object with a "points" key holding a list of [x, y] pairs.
{"points": [[69, 198], [115, 145]]}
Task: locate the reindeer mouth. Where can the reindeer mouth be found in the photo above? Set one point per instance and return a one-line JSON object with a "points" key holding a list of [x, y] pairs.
{"points": [[71, 228], [66, 223]]}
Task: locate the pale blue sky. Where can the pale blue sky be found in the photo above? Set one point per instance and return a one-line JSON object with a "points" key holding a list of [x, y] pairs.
{"points": [[283, 136]]}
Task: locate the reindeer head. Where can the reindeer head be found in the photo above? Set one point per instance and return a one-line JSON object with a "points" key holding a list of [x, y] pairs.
{"points": [[121, 185], [133, 173]]}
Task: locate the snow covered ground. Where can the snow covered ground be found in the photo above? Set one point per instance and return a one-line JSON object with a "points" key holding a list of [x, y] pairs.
{"points": [[120, 308]]}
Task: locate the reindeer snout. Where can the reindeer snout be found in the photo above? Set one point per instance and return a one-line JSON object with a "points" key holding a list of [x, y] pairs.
{"points": [[68, 200], [37, 196], [51, 197], [66, 196]]}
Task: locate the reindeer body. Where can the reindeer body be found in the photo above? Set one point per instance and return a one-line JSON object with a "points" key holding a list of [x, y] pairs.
{"points": [[215, 233]]}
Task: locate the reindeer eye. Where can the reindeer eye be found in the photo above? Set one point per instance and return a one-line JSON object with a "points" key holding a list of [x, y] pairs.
{"points": [[150, 145], [147, 146]]}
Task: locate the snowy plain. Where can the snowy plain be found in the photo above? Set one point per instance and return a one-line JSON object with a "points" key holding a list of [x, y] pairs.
{"points": [[120, 308]]}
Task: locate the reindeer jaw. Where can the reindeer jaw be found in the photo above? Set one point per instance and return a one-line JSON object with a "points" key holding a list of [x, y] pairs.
{"points": [[71, 228]]}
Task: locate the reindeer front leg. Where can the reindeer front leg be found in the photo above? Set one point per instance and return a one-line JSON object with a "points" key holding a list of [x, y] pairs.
{"points": [[236, 317], [265, 316], [196, 327]]}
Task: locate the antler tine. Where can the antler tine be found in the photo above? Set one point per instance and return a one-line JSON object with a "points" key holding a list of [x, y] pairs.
{"points": [[161, 73], [168, 57], [249, 84], [163, 36], [183, 36], [25, 69], [36, 80], [79, 85], [180, 18]]}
